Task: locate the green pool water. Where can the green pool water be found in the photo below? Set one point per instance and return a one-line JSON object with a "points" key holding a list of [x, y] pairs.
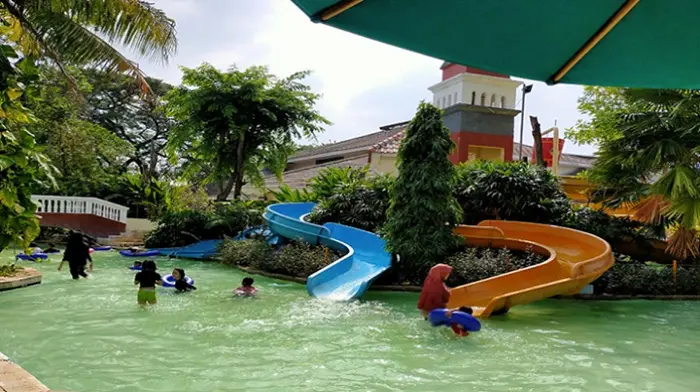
{"points": [[90, 335]]}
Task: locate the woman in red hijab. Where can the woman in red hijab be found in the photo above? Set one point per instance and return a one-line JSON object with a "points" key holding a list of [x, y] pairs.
{"points": [[435, 294]]}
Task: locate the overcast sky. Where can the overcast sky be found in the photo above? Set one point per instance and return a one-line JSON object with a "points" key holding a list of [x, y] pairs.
{"points": [[365, 84]]}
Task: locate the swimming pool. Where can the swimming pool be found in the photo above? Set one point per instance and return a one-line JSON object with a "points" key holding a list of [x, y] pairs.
{"points": [[91, 336]]}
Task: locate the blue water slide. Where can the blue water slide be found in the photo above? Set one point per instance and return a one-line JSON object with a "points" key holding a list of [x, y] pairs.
{"points": [[365, 257]]}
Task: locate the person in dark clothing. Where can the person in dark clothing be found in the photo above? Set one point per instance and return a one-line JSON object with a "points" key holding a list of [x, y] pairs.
{"points": [[180, 283], [77, 254], [147, 280]]}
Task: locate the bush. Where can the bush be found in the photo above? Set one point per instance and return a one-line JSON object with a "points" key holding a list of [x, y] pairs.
{"points": [[423, 210], [328, 181], [299, 259], [473, 264], [187, 227], [244, 252], [9, 269], [628, 277], [361, 204], [509, 191], [611, 228]]}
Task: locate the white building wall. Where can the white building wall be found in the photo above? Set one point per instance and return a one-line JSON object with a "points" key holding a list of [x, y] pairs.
{"points": [[462, 87]]}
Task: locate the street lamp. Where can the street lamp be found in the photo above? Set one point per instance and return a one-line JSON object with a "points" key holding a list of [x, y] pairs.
{"points": [[526, 89]]}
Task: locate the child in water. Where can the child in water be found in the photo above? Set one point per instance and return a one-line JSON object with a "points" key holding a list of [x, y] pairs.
{"points": [[138, 265], [459, 328], [147, 280], [246, 289], [180, 284]]}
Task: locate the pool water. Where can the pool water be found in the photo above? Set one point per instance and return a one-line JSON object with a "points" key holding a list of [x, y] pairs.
{"points": [[90, 335]]}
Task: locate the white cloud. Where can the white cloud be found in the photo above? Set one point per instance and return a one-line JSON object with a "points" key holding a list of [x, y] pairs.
{"points": [[365, 84]]}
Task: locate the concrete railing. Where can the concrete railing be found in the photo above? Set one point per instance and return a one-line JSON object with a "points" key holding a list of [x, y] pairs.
{"points": [[80, 205]]}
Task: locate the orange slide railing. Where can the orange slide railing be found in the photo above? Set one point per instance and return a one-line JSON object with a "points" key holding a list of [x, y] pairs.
{"points": [[574, 259]]}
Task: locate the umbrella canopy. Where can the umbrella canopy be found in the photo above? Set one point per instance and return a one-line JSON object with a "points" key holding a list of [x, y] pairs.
{"points": [[633, 43]]}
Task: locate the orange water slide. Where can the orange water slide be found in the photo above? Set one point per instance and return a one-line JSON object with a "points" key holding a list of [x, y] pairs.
{"points": [[574, 259]]}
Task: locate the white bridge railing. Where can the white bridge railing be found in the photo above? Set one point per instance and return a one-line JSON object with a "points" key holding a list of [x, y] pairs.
{"points": [[80, 205]]}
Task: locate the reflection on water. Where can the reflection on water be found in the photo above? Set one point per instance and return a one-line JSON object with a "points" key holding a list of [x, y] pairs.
{"points": [[90, 336]]}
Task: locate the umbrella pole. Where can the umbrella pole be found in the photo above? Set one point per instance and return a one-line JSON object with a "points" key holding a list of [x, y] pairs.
{"points": [[337, 9], [593, 41]]}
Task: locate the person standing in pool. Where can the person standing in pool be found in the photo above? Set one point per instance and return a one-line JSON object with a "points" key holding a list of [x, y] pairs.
{"points": [[77, 254], [147, 280], [435, 294], [181, 284]]}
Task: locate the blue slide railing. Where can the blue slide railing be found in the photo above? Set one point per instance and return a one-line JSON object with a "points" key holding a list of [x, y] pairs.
{"points": [[347, 278]]}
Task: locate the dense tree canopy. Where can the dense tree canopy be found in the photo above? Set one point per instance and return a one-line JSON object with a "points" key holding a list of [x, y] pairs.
{"points": [[231, 124]]}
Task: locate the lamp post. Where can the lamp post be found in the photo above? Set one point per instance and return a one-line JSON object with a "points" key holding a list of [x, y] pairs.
{"points": [[526, 89]]}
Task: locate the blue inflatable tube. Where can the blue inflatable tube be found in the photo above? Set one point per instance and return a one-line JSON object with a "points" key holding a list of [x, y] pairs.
{"points": [[101, 248], [136, 268], [147, 253], [32, 257], [169, 281], [438, 317]]}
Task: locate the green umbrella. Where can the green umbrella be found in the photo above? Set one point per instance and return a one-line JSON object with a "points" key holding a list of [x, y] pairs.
{"points": [[634, 43]]}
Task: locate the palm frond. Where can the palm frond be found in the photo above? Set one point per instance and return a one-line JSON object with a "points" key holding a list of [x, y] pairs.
{"points": [[650, 210], [684, 243]]}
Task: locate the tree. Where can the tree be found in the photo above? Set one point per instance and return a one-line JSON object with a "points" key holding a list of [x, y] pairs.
{"points": [[655, 158], [80, 32], [423, 210], [602, 106], [234, 122], [115, 103], [21, 163], [88, 156]]}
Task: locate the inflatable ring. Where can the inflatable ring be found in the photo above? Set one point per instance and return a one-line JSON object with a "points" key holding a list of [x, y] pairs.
{"points": [[136, 268], [439, 317], [147, 253], [102, 248], [32, 257], [169, 280]]}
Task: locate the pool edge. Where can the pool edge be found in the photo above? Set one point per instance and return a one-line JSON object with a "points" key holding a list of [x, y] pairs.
{"points": [[15, 379], [30, 277]]}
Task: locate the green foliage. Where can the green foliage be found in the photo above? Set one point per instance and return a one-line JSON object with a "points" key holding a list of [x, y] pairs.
{"points": [[602, 106], [7, 270], [186, 197], [423, 210], [510, 191], [288, 195], [238, 120], [361, 204], [611, 228], [627, 277], [64, 31], [656, 155], [298, 259], [22, 165], [474, 264], [186, 227], [329, 180]]}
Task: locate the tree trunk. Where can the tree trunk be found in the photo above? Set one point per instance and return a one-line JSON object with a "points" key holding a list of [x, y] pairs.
{"points": [[226, 189], [240, 163], [537, 135]]}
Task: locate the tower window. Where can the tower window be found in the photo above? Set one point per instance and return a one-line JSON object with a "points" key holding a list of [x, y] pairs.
{"points": [[483, 99], [493, 100], [449, 100], [503, 101], [473, 97], [443, 103], [456, 99]]}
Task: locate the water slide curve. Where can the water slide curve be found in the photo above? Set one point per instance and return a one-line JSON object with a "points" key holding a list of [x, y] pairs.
{"points": [[365, 257]]}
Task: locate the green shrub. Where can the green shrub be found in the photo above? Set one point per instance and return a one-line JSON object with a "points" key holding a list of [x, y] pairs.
{"points": [[328, 181], [473, 264], [611, 228], [9, 269], [186, 227], [298, 259], [509, 191], [423, 209], [362, 204], [628, 277], [289, 195], [244, 253]]}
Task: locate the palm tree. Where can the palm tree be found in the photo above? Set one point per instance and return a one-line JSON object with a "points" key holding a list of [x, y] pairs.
{"points": [[656, 160], [82, 32]]}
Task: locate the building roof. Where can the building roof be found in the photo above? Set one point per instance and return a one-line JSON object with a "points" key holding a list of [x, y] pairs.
{"points": [[361, 143], [391, 145]]}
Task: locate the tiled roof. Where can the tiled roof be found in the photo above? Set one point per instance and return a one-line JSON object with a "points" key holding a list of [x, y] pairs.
{"points": [[300, 177], [391, 145], [360, 142]]}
